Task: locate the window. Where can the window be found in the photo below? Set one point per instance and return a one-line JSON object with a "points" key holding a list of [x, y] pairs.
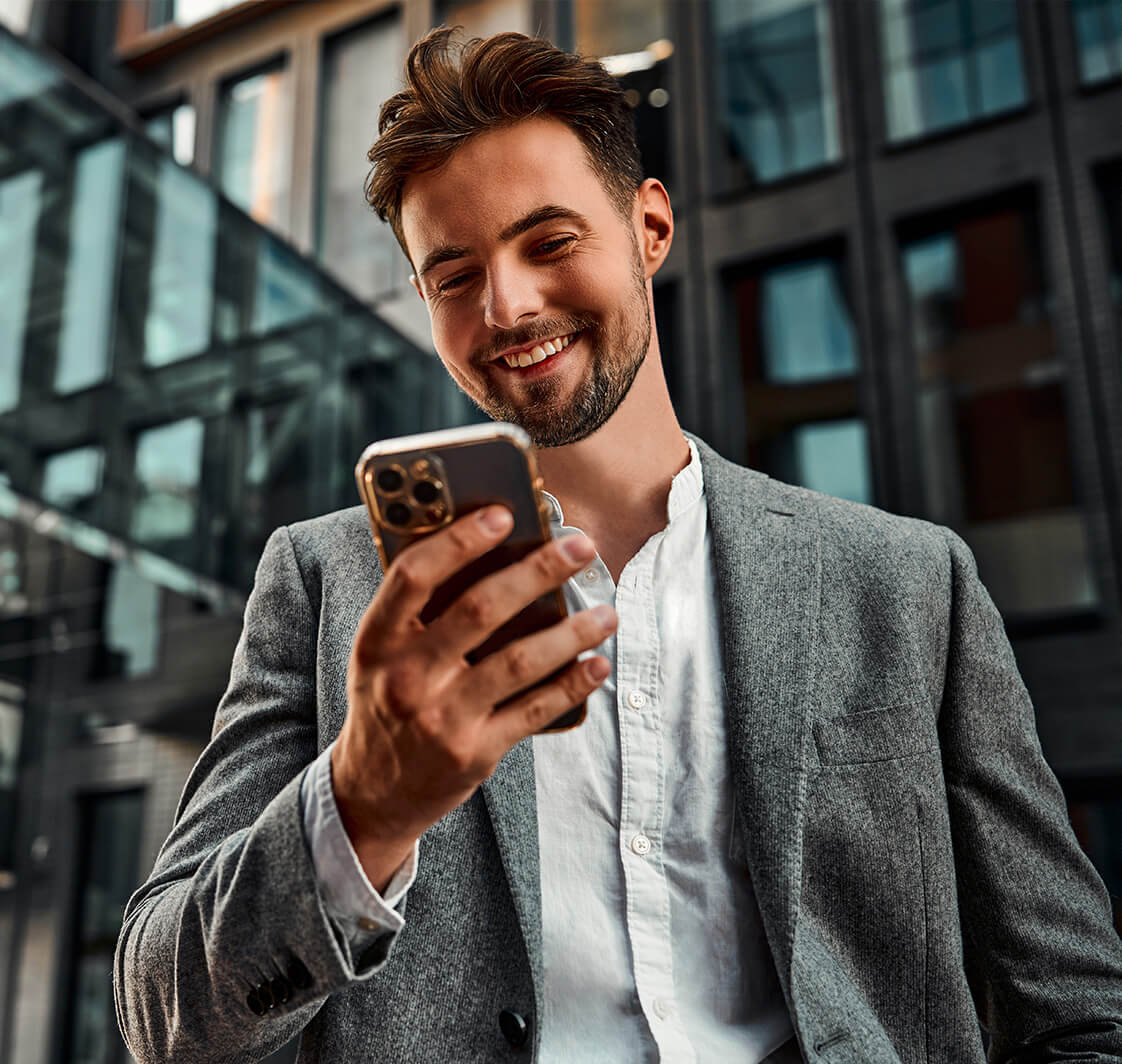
{"points": [[168, 468], [19, 219], [72, 478], [799, 360], [184, 12], [253, 157], [174, 128], [361, 69], [1098, 39], [85, 336], [11, 730], [997, 464], [109, 834], [774, 88], [1109, 180], [948, 63], [633, 40], [130, 623]]}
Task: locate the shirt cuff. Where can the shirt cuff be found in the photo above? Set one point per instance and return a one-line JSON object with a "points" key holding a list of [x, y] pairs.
{"points": [[357, 909]]}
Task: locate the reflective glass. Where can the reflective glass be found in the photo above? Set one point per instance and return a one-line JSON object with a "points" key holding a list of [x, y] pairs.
{"points": [[71, 477], [168, 465], [86, 331], [174, 128], [254, 154], [361, 69], [132, 620], [634, 41], [949, 62], [799, 364], [774, 86], [993, 424], [19, 218], [1098, 38]]}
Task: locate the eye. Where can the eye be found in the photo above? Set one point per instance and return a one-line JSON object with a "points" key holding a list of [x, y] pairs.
{"points": [[551, 247], [455, 281]]}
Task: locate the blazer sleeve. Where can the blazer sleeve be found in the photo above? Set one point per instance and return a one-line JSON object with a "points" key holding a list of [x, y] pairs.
{"points": [[1042, 957], [227, 951]]}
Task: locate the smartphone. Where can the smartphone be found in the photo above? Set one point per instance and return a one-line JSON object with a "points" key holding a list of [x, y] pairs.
{"points": [[415, 485]]}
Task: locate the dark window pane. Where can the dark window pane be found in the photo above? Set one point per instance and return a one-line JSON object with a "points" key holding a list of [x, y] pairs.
{"points": [[993, 424], [19, 216], [71, 478], [799, 360], [1110, 196], [948, 63], [254, 153], [361, 69], [1098, 38], [774, 85]]}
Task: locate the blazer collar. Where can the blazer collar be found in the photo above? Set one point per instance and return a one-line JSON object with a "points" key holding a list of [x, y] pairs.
{"points": [[766, 560]]}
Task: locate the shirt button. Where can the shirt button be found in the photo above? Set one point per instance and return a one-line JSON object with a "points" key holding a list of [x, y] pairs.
{"points": [[369, 925], [641, 845], [662, 1008], [636, 700], [591, 575]]}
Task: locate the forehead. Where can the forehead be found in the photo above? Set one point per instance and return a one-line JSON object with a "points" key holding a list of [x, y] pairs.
{"points": [[495, 178]]}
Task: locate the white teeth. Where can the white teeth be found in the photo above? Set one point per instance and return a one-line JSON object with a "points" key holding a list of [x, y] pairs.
{"points": [[539, 353]]}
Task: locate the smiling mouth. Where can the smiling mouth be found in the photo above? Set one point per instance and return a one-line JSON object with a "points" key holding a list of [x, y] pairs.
{"points": [[539, 352]]}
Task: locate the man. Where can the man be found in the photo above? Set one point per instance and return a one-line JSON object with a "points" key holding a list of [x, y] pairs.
{"points": [[807, 816]]}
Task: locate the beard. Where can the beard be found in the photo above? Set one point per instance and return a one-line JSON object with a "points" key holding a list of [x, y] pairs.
{"points": [[616, 352]]}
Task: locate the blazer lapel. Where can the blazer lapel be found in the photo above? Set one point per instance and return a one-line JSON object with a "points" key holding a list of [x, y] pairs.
{"points": [[766, 559], [513, 807]]}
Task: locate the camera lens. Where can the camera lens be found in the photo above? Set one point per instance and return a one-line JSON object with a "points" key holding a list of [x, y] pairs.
{"points": [[426, 492], [390, 480], [397, 513]]}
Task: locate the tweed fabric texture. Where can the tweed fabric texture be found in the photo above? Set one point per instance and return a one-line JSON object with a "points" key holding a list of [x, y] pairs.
{"points": [[910, 849]]}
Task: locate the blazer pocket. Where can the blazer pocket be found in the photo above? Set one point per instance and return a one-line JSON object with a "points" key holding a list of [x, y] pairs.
{"points": [[877, 735]]}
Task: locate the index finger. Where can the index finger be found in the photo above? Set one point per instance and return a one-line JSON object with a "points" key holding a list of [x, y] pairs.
{"points": [[423, 566]]}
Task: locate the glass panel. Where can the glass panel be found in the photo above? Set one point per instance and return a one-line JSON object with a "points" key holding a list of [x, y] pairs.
{"points": [[633, 39], [181, 279], [997, 462], [184, 12], [1098, 38], [255, 145], [361, 69], [774, 86], [800, 363], [72, 477], [132, 621], [175, 130], [19, 218], [95, 219], [949, 62], [1109, 179], [168, 464]]}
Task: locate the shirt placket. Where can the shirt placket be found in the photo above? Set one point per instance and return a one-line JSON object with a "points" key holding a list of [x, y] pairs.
{"points": [[643, 803]]}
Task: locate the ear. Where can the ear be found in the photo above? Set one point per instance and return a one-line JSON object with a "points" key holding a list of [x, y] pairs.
{"points": [[654, 224], [416, 286]]}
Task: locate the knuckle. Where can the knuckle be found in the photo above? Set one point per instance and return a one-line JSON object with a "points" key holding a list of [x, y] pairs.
{"points": [[476, 607], [544, 564], [520, 663], [573, 686], [407, 573], [462, 539], [540, 711], [399, 691]]}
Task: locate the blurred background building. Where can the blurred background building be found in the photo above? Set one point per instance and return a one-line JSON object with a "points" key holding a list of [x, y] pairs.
{"points": [[897, 277]]}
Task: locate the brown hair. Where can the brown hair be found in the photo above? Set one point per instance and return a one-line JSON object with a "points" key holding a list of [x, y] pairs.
{"points": [[493, 83]]}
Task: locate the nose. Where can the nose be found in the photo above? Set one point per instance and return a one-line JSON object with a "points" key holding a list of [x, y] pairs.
{"points": [[511, 294]]}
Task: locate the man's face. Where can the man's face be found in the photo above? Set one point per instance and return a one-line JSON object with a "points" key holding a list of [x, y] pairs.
{"points": [[516, 244]]}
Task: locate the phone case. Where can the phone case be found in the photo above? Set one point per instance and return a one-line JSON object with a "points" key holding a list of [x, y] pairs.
{"points": [[415, 485]]}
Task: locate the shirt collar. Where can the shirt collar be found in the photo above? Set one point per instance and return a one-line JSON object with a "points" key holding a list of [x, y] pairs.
{"points": [[687, 487]]}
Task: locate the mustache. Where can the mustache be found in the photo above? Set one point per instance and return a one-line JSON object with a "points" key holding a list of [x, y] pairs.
{"points": [[528, 335]]}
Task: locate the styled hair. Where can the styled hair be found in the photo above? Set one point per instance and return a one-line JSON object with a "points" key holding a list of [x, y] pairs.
{"points": [[454, 92]]}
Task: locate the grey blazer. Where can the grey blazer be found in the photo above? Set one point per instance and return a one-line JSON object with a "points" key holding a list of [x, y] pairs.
{"points": [[909, 847]]}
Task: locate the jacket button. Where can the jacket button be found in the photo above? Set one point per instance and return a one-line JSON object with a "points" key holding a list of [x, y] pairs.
{"points": [[298, 975], [253, 1002], [515, 1029], [281, 989]]}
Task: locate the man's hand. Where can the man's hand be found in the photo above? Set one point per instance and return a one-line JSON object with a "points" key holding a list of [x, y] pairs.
{"points": [[422, 731]]}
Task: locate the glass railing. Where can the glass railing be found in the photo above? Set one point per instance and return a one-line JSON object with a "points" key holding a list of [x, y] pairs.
{"points": [[172, 373]]}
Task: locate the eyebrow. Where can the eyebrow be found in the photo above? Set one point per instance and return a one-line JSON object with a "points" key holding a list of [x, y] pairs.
{"points": [[551, 212]]}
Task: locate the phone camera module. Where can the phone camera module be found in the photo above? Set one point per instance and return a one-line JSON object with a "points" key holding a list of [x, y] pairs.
{"points": [[426, 492], [397, 513], [390, 480]]}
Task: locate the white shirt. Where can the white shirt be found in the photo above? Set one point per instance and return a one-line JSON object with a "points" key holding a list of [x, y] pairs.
{"points": [[653, 947]]}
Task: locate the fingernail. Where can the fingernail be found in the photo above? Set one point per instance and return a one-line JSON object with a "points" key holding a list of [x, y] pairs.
{"points": [[495, 519], [605, 616], [597, 669], [577, 548]]}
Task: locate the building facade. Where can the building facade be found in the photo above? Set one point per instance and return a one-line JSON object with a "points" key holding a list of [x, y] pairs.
{"points": [[897, 277]]}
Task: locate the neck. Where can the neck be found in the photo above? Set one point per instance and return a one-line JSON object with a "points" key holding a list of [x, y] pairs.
{"points": [[614, 485]]}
